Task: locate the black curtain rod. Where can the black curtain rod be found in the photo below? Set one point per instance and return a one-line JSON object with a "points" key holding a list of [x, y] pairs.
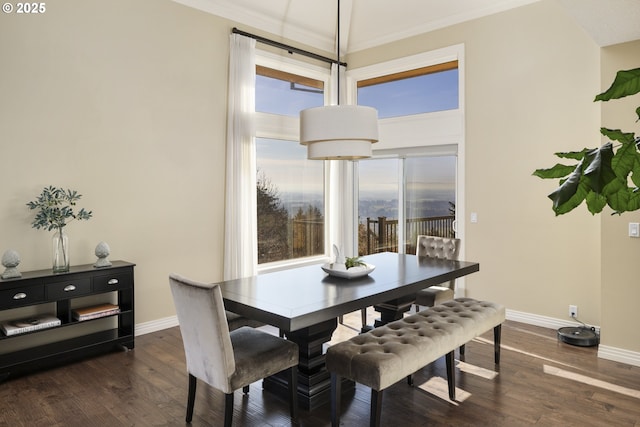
{"points": [[288, 48]]}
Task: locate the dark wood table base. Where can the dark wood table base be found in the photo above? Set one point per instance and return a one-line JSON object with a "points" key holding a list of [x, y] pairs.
{"points": [[393, 310], [314, 382]]}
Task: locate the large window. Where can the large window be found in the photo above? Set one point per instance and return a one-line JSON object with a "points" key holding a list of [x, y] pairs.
{"points": [[410, 185], [290, 188]]}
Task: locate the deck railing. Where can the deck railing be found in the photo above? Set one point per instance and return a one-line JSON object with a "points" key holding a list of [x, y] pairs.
{"points": [[306, 237], [382, 233]]}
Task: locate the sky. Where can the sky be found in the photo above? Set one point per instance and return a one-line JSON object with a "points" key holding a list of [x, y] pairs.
{"points": [[378, 178], [421, 94], [286, 165]]}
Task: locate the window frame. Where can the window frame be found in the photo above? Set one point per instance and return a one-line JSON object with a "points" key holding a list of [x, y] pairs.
{"points": [[407, 74]]}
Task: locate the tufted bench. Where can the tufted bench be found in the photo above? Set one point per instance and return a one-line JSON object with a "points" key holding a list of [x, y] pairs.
{"points": [[389, 353]]}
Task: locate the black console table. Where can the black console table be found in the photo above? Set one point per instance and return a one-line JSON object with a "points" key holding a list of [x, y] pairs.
{"points": [[59, 294]]}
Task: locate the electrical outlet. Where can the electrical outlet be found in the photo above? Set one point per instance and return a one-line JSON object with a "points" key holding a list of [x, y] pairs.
{"points": [[573, 311]]}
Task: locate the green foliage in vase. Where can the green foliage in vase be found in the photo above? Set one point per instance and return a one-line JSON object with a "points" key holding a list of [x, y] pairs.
{"points": [[55, 208], [602, 175], [353, 262]]}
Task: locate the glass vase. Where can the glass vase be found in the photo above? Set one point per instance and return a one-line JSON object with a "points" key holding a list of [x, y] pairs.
{"points": [[60, 251]]}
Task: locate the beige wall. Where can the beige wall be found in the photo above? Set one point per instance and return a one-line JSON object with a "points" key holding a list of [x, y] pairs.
{"points": [[124, 101], [620, 253], [531, 74]]}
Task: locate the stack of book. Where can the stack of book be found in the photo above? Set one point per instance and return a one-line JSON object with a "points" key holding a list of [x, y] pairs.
{"points": [[95, 311], [35, 323]]}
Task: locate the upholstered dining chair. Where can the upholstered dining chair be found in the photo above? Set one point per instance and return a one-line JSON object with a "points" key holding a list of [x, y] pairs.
{"points": [[442, 248], [227, 360], [434, 247]]}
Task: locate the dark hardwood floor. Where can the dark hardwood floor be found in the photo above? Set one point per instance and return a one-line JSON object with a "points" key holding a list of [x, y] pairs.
{"points": [[539, 381]]}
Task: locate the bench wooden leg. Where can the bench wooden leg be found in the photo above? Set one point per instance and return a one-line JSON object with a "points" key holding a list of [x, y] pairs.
{"points": [[336, 385], [376, 408], [293, 393], [451, 375], [410, 380], [497, 332]]}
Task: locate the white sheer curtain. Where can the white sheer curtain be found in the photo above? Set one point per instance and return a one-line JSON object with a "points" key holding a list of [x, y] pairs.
{"points": [[343, 232], [240, 240]]}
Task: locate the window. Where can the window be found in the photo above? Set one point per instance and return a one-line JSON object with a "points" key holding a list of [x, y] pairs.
{"points": [[401, 198], [290, 191], [429, 198], [413, 183], [422, 90], [279, 92], [290, 188]]}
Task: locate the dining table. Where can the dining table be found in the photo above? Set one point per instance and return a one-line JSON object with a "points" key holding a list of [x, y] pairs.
{"points": [[305, 302]]}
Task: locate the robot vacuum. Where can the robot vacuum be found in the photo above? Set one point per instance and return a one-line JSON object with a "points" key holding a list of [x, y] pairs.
{"points": [[580, 336]]}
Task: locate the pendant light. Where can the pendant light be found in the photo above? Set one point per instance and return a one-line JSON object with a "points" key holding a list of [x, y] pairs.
{"points": [[338, 132]]}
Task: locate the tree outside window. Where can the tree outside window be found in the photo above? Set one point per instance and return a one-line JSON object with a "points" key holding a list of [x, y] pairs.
{"points": [[290, 188]]}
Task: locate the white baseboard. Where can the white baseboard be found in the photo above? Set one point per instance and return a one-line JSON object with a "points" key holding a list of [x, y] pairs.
{"points": [[156, 325], [604, 352], [543, 321], [619, 355]]}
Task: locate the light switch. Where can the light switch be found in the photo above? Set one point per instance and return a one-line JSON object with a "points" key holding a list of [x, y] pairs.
{"points": [[474, 217], [634, 229]]}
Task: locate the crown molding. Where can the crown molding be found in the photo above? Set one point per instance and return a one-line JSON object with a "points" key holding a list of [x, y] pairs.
{"points": [[231, 11]]}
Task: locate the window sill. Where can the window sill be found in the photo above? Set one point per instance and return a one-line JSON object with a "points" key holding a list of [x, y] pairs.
{"points": [[288, 264]]}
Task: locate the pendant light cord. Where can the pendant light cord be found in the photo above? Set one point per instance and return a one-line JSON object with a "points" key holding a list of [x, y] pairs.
{"points": [[338, 54]]}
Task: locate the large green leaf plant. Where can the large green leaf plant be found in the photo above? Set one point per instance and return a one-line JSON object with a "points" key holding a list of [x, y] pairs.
{"points": [[604, 176]]}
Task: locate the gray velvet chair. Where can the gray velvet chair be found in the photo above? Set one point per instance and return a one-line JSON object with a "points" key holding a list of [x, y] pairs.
{"points": [[436, 247], [227, 360]]}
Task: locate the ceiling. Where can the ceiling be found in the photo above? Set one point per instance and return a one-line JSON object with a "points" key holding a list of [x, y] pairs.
{"points": [[368, 23]]}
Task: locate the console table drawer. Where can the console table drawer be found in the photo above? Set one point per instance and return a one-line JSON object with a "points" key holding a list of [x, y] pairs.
{"points": [[21, 296], [69, 288], [112, 282]]}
